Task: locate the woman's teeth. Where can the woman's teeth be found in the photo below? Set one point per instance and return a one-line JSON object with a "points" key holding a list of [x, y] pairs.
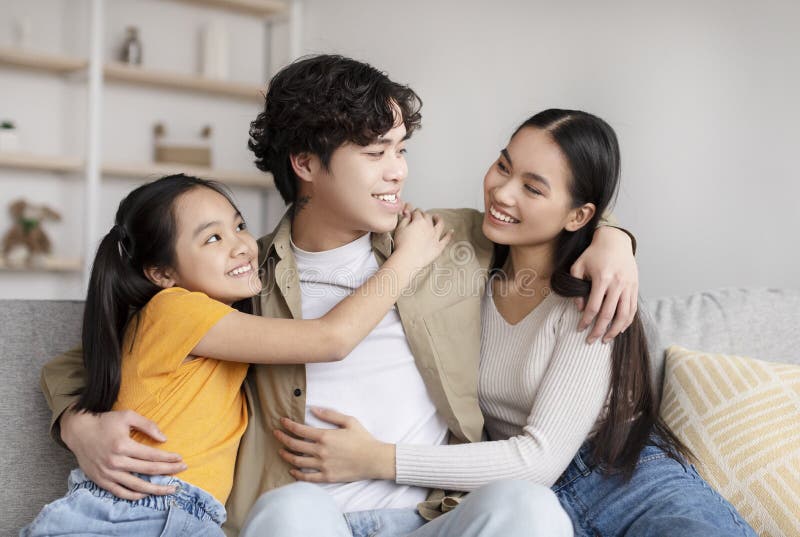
{"points": [[391, 198], [500, 216], [240, 270]]}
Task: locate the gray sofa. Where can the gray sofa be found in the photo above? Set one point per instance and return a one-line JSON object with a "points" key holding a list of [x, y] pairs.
{"points": [[761, 323]]}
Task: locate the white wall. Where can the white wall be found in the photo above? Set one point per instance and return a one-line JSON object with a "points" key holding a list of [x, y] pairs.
{"points": [[703, 96]]}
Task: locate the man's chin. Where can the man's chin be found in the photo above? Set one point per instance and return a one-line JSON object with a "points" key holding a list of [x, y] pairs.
{"points": [[384, 225]]}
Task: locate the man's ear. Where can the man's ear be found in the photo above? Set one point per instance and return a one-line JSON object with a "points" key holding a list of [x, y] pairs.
{"points": [[160, 276], [580, 216], [304, 165]]}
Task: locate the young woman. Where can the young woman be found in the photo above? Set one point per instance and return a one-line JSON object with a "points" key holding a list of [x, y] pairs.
{"points": [[582, 418], [161, 338]]}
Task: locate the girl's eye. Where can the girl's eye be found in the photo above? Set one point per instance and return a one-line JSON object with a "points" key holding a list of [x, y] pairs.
{"points": [[533, 190], [241, 227], [377, 154], [502, 167], [213, 238], [403, 151]]}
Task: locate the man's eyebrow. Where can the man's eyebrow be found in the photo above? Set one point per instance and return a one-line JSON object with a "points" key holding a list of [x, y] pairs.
{"points": [[527, 175], [207, 225], [382, 140]]}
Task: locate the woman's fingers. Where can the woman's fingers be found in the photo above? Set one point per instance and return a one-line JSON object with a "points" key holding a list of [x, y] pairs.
{"points": [[299, 461], [333, 417], [302, 431], [295, 444], [310, 477]]}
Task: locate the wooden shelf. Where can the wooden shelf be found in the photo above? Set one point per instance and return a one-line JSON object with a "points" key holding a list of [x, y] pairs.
{"points": [[48, 265], [28, 161], [260, 8], [25, 161], [155, 170], [120, 72], [40, 61]]}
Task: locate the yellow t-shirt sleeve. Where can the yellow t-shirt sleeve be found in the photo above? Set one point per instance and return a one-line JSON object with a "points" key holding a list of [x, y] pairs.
{"points": [[169, 327]]}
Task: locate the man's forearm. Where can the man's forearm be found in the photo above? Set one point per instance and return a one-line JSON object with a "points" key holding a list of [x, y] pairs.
{"points": [[62, 379]]}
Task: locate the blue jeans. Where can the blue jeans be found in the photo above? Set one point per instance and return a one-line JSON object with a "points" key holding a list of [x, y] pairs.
{"points": [[503, 508], [88, 509], [664, 498]]}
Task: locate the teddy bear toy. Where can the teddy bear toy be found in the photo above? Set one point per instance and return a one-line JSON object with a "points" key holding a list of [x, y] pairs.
{"points": [[26, 244]]}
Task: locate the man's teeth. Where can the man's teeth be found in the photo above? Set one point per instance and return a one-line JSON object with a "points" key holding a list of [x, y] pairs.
{"points": [[501, 216], [240, 270], [391, 198]]}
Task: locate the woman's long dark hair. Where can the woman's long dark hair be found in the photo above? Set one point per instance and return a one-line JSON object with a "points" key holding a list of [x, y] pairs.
{"points": [[590, 147], [143, 235]]}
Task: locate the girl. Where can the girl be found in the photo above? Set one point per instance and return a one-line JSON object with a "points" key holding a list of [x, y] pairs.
{"points": [[160, 337], [582, 418]]}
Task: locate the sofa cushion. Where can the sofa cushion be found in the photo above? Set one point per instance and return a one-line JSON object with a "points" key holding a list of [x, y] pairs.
{"points": [[747, 322], [33, 468], [741, 419]]}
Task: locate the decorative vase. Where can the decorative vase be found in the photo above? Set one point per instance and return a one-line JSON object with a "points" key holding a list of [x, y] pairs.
{"points": [[214, 51]]}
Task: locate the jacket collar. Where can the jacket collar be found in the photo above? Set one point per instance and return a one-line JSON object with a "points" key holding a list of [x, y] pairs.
{"points": [[281, 242]]}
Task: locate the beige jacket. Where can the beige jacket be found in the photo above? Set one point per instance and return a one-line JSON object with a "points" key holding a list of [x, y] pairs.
{"points": [[441, 320]]}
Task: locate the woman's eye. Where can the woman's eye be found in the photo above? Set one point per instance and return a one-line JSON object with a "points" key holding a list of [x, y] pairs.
{"points": [[403, 151], [213, 238], [376, 154], [533, 190], [241, 227], [502, 167]]}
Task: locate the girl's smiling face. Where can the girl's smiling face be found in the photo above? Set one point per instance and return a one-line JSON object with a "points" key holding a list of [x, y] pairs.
{"points": [[214, 252]]}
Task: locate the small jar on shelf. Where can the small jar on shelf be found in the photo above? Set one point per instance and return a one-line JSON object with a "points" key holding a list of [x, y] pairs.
{"points": [[131, 51]]}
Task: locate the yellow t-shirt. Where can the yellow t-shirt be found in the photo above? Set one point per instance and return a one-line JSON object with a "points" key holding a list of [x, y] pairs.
{"points": [[197, 404]]}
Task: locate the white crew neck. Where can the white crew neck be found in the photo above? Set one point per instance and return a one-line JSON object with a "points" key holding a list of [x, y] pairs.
{"points": [[342, 255]]}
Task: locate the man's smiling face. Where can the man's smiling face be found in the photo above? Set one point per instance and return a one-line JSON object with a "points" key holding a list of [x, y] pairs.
{"points": [[361, 187]]}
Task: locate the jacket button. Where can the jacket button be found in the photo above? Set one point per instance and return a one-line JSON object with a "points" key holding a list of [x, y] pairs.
{"points": [[298, 392]]}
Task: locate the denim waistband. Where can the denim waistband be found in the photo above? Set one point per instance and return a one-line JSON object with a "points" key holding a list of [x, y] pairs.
{"points": [[187, 497]]}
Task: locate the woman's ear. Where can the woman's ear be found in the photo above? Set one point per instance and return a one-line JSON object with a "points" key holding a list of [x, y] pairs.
{"points": [[580, 216], [160, 276], [304, 165]]}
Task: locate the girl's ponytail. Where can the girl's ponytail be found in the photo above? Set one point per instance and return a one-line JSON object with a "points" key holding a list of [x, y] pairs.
{"points": [[116, 290]]}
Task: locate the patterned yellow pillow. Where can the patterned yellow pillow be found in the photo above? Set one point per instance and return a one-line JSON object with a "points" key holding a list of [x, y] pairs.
{"points": [[741, 419]]}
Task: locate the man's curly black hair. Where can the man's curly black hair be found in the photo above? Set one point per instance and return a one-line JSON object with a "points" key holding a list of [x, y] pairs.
{"points": [[318, 103]]}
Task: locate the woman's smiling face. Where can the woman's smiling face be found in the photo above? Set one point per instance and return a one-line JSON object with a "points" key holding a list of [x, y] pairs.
{"points": [[526, 191]]}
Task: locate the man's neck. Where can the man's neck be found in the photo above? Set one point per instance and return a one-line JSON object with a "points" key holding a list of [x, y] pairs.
{"points": [[314, 234]]}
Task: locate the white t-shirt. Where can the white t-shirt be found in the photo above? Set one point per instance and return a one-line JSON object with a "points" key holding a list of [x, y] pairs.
{"points": [[378, 382]]}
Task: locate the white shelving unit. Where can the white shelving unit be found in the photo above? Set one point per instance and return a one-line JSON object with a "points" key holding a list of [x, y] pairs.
{"points": [[99, 75]]}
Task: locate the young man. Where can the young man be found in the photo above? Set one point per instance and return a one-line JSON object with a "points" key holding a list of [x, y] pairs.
{"points": [[333, 134]]}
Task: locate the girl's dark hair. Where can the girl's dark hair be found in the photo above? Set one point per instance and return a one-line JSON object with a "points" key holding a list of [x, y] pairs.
{"points": [[143, 235], [318, 103], [590, 147]]}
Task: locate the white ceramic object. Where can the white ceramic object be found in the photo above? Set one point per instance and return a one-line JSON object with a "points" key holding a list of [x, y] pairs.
{"points": [[214, 51], [9, 141]]}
